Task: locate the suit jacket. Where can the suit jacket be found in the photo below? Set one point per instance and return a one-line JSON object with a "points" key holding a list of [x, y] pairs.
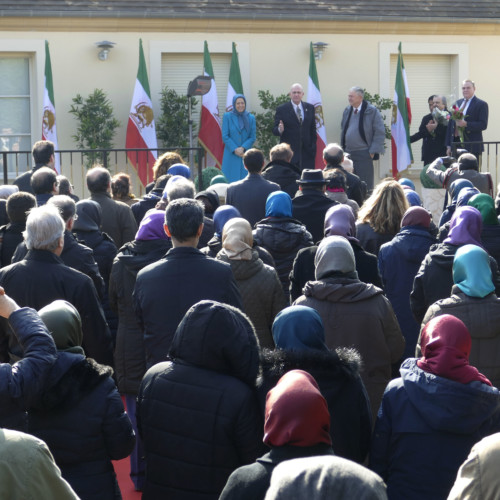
{"points": [[302, 138], [249, 196], [433, 145], [477, 121]]}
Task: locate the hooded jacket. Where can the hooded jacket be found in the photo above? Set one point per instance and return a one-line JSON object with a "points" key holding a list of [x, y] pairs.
{"points": [[130, 355], [198, 413], [426, 427]]}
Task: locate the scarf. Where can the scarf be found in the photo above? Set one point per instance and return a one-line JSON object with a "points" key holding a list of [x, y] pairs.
{"points": [[279, 204], [243, 121], [472, 271], [237, 239]]}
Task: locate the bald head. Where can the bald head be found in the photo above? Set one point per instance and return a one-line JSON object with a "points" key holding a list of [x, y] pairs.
{"points": [[333, 155], [98, 180]]}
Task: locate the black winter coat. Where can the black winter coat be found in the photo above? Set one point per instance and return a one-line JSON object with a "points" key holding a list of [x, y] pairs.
{"points": [[198, 414], [434, 279], [11, 235], [338, 378], [303, 268], [40, 279], [81, 417], [166, 289], [130, 355], [309, 207], [282, 238], [283, 173]]}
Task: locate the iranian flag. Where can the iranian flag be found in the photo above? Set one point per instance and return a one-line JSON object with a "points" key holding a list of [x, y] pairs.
{"points": [[234, 86], [210, 134], [402, 156], [314, 97], [141, 132], [49, 130]]}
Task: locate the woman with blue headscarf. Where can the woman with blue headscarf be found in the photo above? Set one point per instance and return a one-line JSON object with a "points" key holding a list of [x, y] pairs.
{"points": [[281, 235], [238, 134], [299, 336]]}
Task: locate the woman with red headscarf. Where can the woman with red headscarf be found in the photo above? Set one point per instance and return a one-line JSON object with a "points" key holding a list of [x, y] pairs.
{"points": [[431, 417]]}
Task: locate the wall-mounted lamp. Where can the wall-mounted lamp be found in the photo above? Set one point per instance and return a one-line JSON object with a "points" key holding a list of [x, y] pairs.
{"points": [[105, 47], [319, 48]]}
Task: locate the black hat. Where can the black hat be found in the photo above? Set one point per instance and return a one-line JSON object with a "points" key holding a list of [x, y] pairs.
{"points": [[312, 176]]}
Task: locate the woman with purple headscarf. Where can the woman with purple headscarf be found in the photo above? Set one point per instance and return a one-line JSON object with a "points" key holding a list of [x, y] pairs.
{"points": [[435, 276], [150, 244]]}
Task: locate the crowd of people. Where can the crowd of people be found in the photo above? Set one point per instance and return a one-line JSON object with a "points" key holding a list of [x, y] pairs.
{"points": [[289, 332]]}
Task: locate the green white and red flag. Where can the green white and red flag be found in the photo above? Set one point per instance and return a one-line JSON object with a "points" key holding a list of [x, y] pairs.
{"points": [[141, 132], [402, 156], [234, 85], [49, 130], [210, 134], [314, 98]]}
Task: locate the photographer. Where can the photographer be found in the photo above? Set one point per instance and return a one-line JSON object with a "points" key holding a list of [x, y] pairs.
{"points": [[466, 168]]}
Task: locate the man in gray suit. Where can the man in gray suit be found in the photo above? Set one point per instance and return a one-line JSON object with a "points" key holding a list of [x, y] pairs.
{"points": [[250, 194]]}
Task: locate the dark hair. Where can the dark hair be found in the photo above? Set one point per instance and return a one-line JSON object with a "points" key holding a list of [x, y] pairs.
{"points": [[65, 205], [467, 161], [120, 185], [183, 218], [161, 182], [334, 160], [42, 181], [254, 160], [64, 185], [98, 179], [336, 179], [18, 206], [42, 151], [431, 98]]}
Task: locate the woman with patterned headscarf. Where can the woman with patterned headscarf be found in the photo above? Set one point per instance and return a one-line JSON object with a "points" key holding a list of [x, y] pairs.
{"points": [[258, 283], [431, 416], [238, 135]]}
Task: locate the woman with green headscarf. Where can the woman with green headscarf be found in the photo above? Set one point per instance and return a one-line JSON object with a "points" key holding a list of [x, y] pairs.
{"points": [[238, 135], [79, 413], [490, 234]]}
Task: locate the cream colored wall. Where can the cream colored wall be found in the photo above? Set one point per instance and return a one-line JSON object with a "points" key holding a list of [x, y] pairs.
{"points": [[274, 62]]}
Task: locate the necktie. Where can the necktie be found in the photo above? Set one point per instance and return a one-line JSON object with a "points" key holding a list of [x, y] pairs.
{"points": [[356, 111], [464, 103], [299, 114]]}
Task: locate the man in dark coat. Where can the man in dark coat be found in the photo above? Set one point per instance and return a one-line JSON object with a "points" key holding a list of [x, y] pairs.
{"points": [[198, 413], [295, 124], [74, 254], [475, 120], [432, 133], [18, 206], [333, 156], [44, 184], [149, 200], [311, 203], [42, 277], [250, 194], [165, 290], [117, 218], [281, 170], [43, 156]]}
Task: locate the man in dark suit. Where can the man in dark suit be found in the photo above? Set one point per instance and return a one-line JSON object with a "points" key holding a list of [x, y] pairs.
{"points": [[475, 121], [250, 194], [166, 289], [295, 124], [432, 133]]}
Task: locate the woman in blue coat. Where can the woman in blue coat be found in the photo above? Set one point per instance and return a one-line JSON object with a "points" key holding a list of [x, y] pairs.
{"points": [[238, 134]]}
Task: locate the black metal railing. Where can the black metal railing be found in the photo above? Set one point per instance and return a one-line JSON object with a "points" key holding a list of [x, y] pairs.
{"points": [[74, 162]]}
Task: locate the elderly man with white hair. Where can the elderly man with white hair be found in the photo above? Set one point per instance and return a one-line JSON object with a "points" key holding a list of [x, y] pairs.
{"points": [[42, 277]]}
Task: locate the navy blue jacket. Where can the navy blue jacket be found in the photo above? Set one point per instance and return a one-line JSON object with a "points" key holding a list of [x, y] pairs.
{"points": [[165, 290], [399, 262], [425, 429]]}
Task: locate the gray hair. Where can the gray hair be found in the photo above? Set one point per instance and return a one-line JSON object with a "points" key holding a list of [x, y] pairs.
{"points": [[181, 188], [358, 90], [65, 205], [443, 100], [44, 228]]}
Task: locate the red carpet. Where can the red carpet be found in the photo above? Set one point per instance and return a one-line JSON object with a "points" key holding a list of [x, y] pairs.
{"points": [[122, 469]]}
